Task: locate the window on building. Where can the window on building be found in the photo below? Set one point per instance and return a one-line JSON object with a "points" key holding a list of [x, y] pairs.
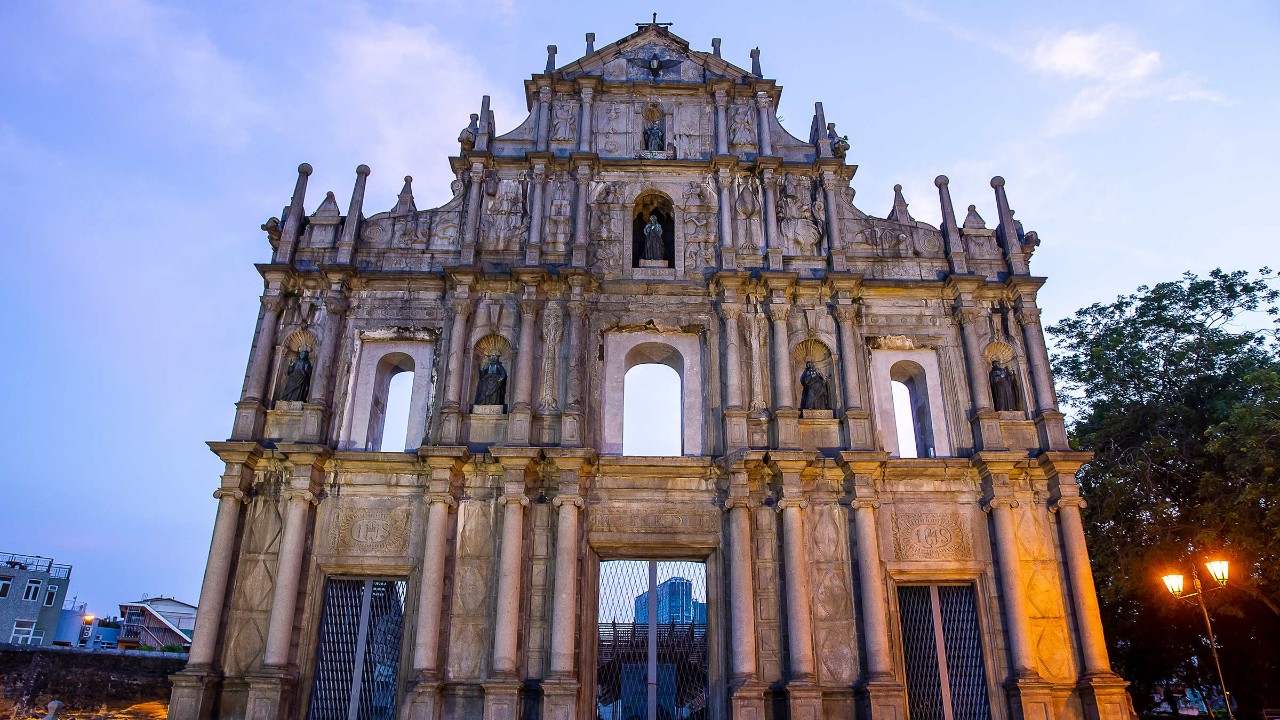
{"points": [[905, 421], [33, 590], [395, 422], [911, 414], [23, 632], [651, 422], [50, 595], [942, 650], [358, 654], [5, 584]]}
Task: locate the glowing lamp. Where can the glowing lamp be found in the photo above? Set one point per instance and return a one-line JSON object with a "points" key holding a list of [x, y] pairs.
{"points": [[1174, 583], [88, 619], [1218, 570]]}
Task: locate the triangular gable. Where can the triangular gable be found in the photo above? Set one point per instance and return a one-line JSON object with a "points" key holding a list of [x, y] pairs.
{"points": [[651, 38]]}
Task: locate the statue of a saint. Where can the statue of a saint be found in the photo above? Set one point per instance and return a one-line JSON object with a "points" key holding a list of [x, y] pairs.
{"points": [[297, 381], [467, 138], [653, 246], [492, 386], [814, 395], [1002, 393], [654, 139]]}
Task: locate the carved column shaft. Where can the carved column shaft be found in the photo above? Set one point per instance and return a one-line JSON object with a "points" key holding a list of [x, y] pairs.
{"points": [[580, 217], [733, 355], [875, 608], [584, 124], [1011, 586], [742, 585], [724, 177], [472, 228], [834, 239], [1038, 354], [773, 238], [535, 205], [979, 380], [213, 592], [573, 384], [762, 115], [284, 597], [782, 393], [553, 329], [427, 636], [564, 610], [799, 617], [255, 380], [544, 118], [722, 130], [524, 361], [507, 624], [1084, 595]]}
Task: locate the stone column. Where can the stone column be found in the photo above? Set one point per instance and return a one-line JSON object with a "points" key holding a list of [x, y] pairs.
{"points": [[327, 347], [255, 379], [984, 420], [451, 413], [772, 238], [579, 253], [548, 384], [785, 414], [857, 418], [561, 686], [1012, 589], [544, 118], [571, 424], [519, 422], [471, 229], [1037, 355], [1084, 595], [742, 616], [584, 123], [284, 597], [532, 252], [762, 123], [835, 242], [347, 241], [217, 573], [502, 687], [875, 608], [804, 699], [722, 127], [728, 247], [730, 312], [292, 223]]}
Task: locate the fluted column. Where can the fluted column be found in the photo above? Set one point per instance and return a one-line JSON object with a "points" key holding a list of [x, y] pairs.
{"points": [[1084, 595], [1038, 355], [584, 123], [762, 114], [742, 616], [875, 608], [255, 380], [217, 573], [284, 597], [722, 127], [1011, 585]]}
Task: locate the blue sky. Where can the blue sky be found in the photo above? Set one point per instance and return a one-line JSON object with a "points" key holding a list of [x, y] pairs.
{"points": [[142, 144]]}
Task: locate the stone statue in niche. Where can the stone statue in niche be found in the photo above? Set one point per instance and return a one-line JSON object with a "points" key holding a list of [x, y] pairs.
{"points": [[740, 130], [654, 138], [653, 244], [814, 395], [467, 138], [297, 381], [492, 386], [1003, 396], [563, 124], [796, 218]]}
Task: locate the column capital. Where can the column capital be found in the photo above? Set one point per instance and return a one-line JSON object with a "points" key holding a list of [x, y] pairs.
{"points": [[990, 503], [273, 303], [968, 315], [1027, 315], [763, 100], [847, 314], [730, 311], [786, 502], [509, 498], [575, 500], [233, 493], [528, 309], [1060, 502], [779, 311], [857, 504], [586, 92], [304, 495], [544, 94], [721, 98], [432, 498], [740, 502], [461, 307]]}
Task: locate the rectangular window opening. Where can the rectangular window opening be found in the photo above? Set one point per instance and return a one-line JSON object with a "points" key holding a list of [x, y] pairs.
{"points": [[50, 595], [24, 632], [942, 649], [358, 654], [33, 590], [651, 659]]}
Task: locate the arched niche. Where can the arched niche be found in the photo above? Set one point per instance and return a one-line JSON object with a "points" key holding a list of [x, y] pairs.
{"points": [[653, 202], [812, 350], [918, 370], [379, 356], [491, 344], [681, 352], [288, 351]]}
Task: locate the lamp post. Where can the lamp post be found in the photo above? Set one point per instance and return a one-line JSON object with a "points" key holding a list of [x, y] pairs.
{"points": [[1218, 570]]}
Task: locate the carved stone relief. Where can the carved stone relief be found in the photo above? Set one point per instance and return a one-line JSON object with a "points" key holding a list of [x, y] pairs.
{"points": [[931, 536], [363, 531]]}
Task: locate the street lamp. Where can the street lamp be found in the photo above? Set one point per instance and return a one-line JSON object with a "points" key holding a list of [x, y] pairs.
{"points": [[1175, 584]]}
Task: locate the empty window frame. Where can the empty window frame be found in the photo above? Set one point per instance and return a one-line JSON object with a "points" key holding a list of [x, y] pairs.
{"points": [[373, 418], [5, 584], [50, 595], [33, 590], [23, 632], [942, 653], [910, 413], [651, 420]]}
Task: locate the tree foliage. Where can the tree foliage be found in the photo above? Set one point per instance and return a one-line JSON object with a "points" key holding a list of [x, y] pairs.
{"points": [[1176, 389]]}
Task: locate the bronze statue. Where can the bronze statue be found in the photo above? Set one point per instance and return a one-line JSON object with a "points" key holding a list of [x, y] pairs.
{"points": [[298, 378], [492, 387], [1002, 393], [654, 139], [654, 248], [814, 395]]}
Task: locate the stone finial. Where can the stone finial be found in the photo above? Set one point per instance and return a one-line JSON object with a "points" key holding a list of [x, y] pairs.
{"points": [[755, 63], [899, 212], [347, 242], [591, 43], [404, 201], [974, 221], [328, 207], [551, 59], [715, 46]]}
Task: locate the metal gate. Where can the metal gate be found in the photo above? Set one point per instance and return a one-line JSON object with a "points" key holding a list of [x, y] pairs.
{"points": [[942, 646], [358, 657], [651, 653]]}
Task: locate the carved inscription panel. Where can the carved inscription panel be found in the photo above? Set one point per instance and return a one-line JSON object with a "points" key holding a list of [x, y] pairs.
{"points": [[931, 536], [643, 519], [370, 531]]}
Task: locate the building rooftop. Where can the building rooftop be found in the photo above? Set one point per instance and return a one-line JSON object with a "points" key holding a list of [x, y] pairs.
{"points": [[34, 563]]}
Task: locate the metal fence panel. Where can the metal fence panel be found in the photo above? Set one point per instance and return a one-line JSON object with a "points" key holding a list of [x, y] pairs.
{"points": [[965, 669], [920, 651]]}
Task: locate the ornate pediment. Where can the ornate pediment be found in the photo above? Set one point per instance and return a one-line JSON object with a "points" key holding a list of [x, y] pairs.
{"points": [[652, 54]]}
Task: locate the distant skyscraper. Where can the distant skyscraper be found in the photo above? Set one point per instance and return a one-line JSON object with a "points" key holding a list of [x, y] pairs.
{"points": [[675, 603]]}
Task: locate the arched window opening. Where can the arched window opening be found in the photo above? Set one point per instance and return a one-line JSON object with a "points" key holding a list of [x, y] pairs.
{"points": [[656, 208], [651, 412], [911, 410], [388, 417], [395, 424]]}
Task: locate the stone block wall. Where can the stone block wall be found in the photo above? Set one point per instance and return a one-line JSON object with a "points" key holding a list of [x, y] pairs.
{"points": [[90, 683]]}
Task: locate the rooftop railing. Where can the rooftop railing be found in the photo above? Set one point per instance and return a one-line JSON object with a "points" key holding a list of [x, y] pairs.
{"points": [[34, 563]]}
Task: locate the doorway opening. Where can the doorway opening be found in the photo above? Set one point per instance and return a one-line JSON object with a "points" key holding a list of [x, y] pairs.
{"points": [[358, 656], [651, 654]]}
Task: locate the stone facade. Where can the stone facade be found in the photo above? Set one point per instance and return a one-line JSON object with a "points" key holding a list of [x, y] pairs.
{"points": [[809, 519]]}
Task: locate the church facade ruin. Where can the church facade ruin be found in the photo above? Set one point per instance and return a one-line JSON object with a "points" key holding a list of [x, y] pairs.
{"points": [[871, 510]]}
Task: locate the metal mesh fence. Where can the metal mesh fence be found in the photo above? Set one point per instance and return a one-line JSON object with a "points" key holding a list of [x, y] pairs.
{"points": [[359, 650], [942, 647], [965, 671], [920, 650], [651, 660]]}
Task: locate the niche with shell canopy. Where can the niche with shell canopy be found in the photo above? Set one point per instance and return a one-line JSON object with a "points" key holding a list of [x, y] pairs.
{"points": [[815, 351], [289, 351], [1004, 353], [661, 208], [491, 344]]}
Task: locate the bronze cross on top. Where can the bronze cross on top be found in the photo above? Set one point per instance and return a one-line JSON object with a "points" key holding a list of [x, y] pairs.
{"points": [[654, 23]]}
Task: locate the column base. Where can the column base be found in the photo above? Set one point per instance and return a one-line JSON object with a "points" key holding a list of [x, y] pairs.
{"points": [[987, 434], [578, 256], [1052, 430], [883, 699], [519, 425], [747, 700], [805, 701], [560, 700], [532, 254], [571, 429], [1031, 698], [251, 417], [422, 701], [735, 430], [501, 700], [450, 426], [1104, 697], [194, 690], [858, 423], [270, 693], [787, 426]]}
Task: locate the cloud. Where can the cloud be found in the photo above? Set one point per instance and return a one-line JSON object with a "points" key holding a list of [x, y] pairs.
{"points": [[175, 66], [1110, 68]]}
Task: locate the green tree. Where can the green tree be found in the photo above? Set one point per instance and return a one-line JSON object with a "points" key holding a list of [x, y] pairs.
{"points": [[1180, 403]]}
